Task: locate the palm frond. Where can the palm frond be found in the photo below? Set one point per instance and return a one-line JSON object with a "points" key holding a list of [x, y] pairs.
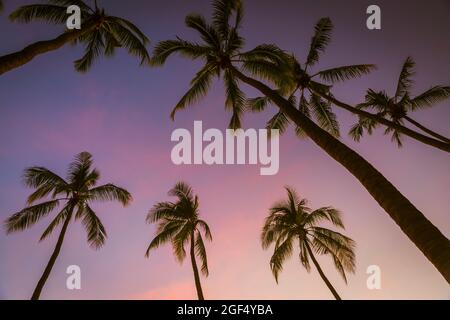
{"points": [[378, 100], [280, 254], [339, 258], [60, 217], [204, 226], [166, 231], [304, 108], [111, 43], [162, 210], [133, 28], [274, 225], [222, 13], [35, 177], [93, 50], [342, 248], [180, 240], [257, 104], [430, 97], [294, 198], [266, 52], [92, 178], [234, 42], [320, 87], [80, 167], [364, 124], [267, 70], [96, 233], [188, 49], [45, 182], [200, 251], [405, 82], [324, 115], [304, 256], [129, 37], [325, 213], [50, 13], [182, 190], [395, 137], [207, 32], [65, 3], [320, 40], [110, 192], [29, 216], [41, 193], [199, 87], [346, 72], [278, 122], [235, 99]]}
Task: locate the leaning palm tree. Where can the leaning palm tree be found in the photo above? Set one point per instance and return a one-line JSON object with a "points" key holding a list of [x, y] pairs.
{"points": [[179, 223], [397, 107], [318, 85], [290, 221], [100, 34], [221, 51], [75, 194]]}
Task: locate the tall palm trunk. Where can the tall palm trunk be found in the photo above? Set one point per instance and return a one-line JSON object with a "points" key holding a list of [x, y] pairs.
{"points": [[18, 59], [51, 262], [433, 244], [198, 285], [440, 144], [425, 129], [322, 275]]}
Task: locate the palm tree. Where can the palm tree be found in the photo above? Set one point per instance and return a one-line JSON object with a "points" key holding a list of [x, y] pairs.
{"points": [[321, 98], [290, 221], [75, 194], [100, 33], [179, 223], [300, 81], [398, 106], [220, 50], [1, 5]]}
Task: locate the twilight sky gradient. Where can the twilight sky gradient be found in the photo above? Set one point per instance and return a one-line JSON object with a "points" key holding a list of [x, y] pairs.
{"points": [[120, 113]]}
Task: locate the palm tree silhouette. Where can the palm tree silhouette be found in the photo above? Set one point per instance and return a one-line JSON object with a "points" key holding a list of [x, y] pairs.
{"points": [[290, 221], [314, 107], [398, 106], [220, 51], [321, 98], [76, 192], [179, 223], [100, 33]]}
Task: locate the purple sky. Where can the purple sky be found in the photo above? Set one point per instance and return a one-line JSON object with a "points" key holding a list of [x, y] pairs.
{"points": [[120, 113]]}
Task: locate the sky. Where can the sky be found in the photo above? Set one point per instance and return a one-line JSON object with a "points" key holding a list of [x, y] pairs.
{"points": [[119, 112]]}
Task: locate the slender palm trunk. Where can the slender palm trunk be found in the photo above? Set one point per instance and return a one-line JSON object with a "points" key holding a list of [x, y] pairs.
{"points": [[440, 144], [433, 244], [18, 59], [198, 285], [425, 129], [322, 274], [51, 262]]}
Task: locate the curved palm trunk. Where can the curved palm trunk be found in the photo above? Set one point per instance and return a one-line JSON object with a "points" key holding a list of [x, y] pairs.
{"points": [[440, 144], [198, 285], [322, 275], [433, 244], [51, 262], [425, 129], [18, 59]]}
